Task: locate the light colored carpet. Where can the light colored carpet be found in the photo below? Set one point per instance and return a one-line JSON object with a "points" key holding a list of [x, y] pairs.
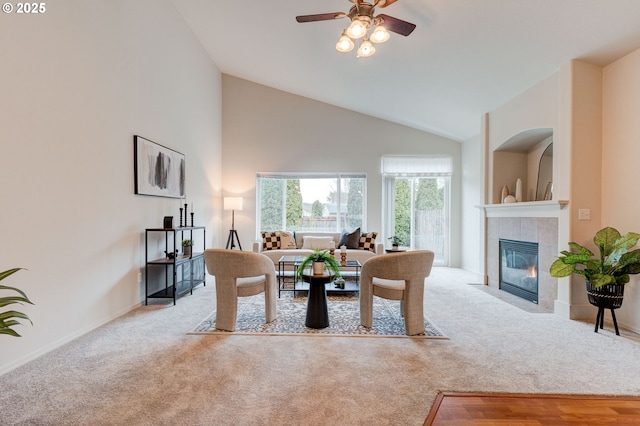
{"points": [[344, 319], [143, 369]]}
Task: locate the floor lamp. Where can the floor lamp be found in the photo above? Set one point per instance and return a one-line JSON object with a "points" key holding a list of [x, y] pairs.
{"points": [[233, 204]]}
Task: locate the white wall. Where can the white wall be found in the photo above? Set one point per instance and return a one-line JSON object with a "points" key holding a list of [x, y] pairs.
{"points": [[266, 130], [78, 82], [473, 196], [620, 154]]}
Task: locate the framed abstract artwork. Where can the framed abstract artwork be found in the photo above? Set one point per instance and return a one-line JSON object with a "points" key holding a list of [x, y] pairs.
{"points": [[158, 170]]}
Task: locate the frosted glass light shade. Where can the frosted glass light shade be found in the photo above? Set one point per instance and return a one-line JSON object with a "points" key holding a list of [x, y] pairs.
{"points": [[366, 49], [344, 44], [380, 34], [233, 203], [357, 29]]}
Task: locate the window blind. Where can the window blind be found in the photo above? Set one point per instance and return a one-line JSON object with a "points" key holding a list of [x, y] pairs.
{"points": [[416, 166]]}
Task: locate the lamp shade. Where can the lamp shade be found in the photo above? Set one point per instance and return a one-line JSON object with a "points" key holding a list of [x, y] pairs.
{"points": [[233, 203], [366, 49]]}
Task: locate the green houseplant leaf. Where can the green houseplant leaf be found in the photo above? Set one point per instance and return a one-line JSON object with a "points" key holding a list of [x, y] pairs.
{"points": [[320, 256], [613, 265], [8, 318]]}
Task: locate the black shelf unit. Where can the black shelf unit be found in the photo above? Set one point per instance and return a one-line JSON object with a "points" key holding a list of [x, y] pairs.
{"points": [[182, 273]]}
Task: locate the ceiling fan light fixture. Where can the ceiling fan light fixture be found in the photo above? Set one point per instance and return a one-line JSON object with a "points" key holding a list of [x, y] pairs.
{"points": [[366, 49], [380, 34], [358, 28], [344, 44]]}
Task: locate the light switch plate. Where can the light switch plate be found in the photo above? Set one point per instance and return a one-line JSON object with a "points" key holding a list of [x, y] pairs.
{"points": [[584, 214]]}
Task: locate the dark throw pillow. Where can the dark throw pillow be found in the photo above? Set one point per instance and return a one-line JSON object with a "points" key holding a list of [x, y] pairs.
{"points": [[350, 239]]}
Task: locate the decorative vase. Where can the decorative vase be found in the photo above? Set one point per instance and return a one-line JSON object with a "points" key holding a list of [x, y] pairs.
{"points": [[519, 190], [505, 193], [186, 250], [395, 246], [318, 268]]}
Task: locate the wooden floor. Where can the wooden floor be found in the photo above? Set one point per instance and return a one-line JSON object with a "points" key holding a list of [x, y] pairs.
{"points": [[451, 408]]}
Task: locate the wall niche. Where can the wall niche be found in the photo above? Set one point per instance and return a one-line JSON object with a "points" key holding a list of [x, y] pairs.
{"points": [[520, 157]]}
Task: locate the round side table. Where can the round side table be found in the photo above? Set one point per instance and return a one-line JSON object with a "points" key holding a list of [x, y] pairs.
{"points": [[317, 311]]}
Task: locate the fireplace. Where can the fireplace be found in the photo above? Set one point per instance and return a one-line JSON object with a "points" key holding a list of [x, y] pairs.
{"points": [[519, 269]]}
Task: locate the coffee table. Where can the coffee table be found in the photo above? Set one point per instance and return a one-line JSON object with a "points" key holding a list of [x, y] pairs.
{"points": [[287, 274]]}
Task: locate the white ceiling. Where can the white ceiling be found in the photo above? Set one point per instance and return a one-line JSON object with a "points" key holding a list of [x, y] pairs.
{"points": [[465, 58]]}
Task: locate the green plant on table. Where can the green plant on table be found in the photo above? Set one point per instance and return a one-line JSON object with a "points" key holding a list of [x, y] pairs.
{"points": [[395, 240], [323, 256], [187, 243], [8, 318], [615, 262]]}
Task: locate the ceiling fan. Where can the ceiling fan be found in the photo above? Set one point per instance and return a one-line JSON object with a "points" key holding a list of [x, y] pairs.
{"points": [[362, 20]]}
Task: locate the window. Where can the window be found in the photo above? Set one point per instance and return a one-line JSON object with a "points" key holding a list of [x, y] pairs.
{"points": [[305, 202], [416, 202]]}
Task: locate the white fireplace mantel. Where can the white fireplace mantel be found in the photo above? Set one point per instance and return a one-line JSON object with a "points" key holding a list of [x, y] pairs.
{"points": [[525, 209]]}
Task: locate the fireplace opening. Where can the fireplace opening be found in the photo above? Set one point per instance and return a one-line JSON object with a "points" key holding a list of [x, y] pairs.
{"points": [[519, 269]]}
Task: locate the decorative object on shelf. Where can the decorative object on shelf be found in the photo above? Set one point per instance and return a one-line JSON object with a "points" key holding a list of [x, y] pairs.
{"points": [[167, 223], [186, 247], [185, 212], [323, 259], [339, 282], [158, 170], [505, 193], [191, 215], [343, 255], [233, 204], [604, 274], [170, 254], [548, 192], [7, 320], [519, 190], [180, 217], [509, 199]]}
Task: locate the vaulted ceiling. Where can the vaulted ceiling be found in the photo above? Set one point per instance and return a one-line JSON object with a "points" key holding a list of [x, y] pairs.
{"points": [[465, 57]]}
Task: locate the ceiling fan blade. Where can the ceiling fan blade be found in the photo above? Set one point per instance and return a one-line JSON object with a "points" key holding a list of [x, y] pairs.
{"points": [[320, 17], [397, 25], [385, 3]]}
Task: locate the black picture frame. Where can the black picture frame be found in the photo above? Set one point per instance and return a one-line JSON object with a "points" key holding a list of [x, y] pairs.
{"points": [[167, 223], [159, 171]]}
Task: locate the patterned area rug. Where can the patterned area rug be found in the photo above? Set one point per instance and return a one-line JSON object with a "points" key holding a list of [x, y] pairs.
{"points": [[344, 319]]}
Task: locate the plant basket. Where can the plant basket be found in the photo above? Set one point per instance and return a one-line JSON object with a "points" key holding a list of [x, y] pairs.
{"points": [[608, 296]]}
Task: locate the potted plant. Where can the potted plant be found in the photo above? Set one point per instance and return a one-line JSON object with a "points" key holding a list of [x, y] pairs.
{"points": [[186, 247], [395, 241], [319, 260], [7, 318], [606, 274]]}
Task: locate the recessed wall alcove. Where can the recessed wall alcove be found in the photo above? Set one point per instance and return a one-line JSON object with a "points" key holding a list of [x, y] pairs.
{"points": [[519, 157]]}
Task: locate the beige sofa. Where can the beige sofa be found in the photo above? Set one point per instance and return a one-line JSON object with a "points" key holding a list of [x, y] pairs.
{"points": [[352, 254], [286, 271]]}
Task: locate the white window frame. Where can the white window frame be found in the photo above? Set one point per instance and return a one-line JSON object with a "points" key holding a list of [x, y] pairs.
{"points": [[393, 167], [293, 175]]}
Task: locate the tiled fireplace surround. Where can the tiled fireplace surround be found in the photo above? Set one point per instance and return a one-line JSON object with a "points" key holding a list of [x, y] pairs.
{"points": [[541, 230]]}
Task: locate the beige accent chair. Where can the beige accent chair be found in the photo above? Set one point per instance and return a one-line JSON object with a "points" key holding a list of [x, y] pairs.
{"points": [[240, 274], [396, 276]]}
